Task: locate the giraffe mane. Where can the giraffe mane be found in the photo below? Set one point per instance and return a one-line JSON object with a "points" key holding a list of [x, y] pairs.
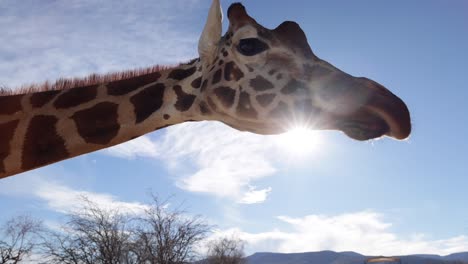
{"points": [[92, 79]]}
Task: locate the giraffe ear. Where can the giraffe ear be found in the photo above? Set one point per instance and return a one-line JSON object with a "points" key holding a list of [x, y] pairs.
{"points": [[211, 34], [238, 16], [291, 34]]}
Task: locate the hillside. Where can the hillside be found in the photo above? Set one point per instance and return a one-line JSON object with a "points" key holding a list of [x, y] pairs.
{"points": [[330, 257]]}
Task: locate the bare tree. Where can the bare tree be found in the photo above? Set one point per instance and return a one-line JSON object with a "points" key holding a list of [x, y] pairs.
{"points": [[92, 235], [20, 236], [96, 235], [166, 236], [226, 251]]}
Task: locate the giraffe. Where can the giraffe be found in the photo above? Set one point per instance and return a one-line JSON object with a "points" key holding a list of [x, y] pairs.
{"points": [[251, 78]]}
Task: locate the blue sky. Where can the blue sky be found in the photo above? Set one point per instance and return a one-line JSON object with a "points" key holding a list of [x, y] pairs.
{"points": [[378, 197]]}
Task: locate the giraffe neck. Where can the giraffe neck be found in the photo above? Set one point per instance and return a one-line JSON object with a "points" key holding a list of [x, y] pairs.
{"points": [[41, 128]]}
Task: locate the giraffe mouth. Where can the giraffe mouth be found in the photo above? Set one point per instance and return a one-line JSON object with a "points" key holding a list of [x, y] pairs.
{"points": [[364, 129], [383, 114]]}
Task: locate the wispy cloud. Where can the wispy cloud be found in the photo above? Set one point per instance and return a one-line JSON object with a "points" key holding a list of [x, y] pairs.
{"points": [[61, 198], [212, 158], [64, 199], [140, 147], [365, 232], [224, 162], [51, 39]]}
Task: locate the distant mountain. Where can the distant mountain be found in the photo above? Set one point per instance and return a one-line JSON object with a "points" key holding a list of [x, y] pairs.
{"points": [[463, 256], [349, 257], [352, 253], [323, 257]]}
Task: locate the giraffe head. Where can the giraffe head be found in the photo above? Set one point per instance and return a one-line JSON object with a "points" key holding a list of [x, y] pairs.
{"points": [[267, 81]]}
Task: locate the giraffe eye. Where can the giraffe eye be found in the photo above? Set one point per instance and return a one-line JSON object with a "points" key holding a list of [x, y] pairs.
{"points": [[251, 46]]}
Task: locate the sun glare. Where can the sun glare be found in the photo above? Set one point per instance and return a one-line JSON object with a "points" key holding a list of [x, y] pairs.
{"points": [[300, 141]]}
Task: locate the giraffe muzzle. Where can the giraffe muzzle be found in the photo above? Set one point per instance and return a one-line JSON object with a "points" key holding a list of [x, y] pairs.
{"points": [[389, 108], [377, 112]]}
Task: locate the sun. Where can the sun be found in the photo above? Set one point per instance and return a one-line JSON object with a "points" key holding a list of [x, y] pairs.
{"points": [[300, 141]]}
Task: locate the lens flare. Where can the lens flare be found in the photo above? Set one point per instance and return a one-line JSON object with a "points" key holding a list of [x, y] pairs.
{"points": [[300, 141]]}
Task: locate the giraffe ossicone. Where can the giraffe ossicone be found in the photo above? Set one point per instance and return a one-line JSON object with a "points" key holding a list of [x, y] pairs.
{"points": [[252, 78]]}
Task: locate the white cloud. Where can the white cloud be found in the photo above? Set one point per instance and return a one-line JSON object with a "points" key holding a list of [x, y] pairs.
{"points": [[139, 147], [364, 232], [52, 39], [63, 199], [212, 158], [226, 163], [255, 196]]}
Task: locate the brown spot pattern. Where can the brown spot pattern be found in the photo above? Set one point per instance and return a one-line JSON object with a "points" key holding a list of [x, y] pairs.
{"points": [[10, 104], [281, 111], [148, 101], [166, 116], [226, 95], [42, 98], [261, 84], [184, 100], [232, 72], [42, 144], [196, 83], [98, 124], [76, 96], [293, 86], [217, 77], [7, 130], [126, 86], [204, 109], [180, 74], [244, 107], [265, 99]]}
